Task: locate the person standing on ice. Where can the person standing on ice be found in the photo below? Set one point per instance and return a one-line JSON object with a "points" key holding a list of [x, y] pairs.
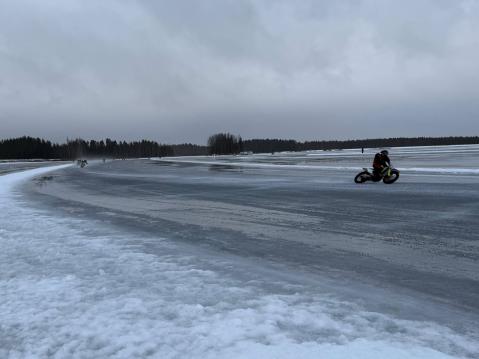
{"points": [[381, 161]]}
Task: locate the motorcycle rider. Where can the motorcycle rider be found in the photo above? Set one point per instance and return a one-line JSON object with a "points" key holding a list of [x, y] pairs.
{"points": [[381, 161]]}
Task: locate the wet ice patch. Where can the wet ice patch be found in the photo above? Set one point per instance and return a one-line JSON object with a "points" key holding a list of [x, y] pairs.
{"points": [[79, 289]]}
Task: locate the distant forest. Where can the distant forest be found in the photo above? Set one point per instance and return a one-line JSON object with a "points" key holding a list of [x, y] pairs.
{"points": [[222, 143], [37, 148], [275, 145]]}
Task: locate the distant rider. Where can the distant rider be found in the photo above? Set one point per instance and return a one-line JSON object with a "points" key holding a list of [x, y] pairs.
{"points": [[381, 161]]}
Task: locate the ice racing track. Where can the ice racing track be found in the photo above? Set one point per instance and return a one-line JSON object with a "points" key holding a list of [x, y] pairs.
{"points": [[409, 251]]}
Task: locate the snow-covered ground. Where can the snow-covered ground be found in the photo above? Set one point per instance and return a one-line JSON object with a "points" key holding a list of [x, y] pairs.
{"points": [[21, 165], [144, 259]]}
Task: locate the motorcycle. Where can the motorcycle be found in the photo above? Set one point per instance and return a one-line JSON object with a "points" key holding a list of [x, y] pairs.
{"points": [[388, 175], [82, 163]]}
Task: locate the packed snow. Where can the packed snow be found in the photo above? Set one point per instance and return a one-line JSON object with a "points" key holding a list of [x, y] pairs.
{"points": [[73, 287]]}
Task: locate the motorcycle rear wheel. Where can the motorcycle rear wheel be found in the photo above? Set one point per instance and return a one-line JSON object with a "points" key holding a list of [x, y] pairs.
{"points": [[362, 177]]}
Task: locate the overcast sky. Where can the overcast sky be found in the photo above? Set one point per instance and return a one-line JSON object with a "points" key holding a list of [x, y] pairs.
{"points": [[177, 71]]}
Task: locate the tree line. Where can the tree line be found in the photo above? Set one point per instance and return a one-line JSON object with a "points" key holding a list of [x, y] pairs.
{"points": [[225, 144], [220, 143], [32, 148], [278, 145]]}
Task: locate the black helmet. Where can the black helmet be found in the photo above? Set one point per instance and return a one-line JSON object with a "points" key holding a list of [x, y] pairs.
{"points": [[384, 152]]}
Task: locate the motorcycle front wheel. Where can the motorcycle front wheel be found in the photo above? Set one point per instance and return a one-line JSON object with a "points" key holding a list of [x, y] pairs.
{"points": [[392, 178]]}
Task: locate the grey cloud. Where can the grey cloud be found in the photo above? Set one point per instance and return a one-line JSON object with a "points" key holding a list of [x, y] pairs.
{"points": [[177, 71]]}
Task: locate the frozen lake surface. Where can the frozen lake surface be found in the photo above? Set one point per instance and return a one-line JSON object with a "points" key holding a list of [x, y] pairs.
{"points": [[243, 256]]}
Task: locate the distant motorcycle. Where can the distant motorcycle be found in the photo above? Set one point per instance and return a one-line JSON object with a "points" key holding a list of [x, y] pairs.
{"points": [[82, 163], [388, 175]]}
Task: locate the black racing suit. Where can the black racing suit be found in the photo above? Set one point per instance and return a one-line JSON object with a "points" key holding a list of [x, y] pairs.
{"points": [[380, 162]]}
